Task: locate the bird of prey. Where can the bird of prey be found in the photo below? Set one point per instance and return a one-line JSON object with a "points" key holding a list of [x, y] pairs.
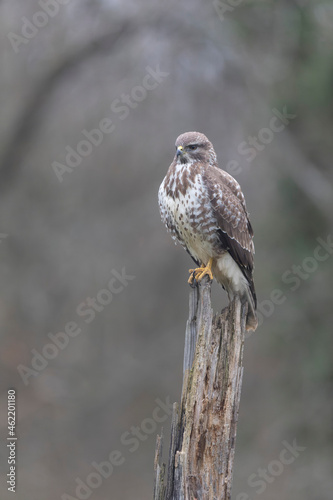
{"points": [[204, 209]]}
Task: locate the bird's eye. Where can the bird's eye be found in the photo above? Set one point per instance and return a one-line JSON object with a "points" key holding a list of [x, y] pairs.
{"points": [[192, 147]]}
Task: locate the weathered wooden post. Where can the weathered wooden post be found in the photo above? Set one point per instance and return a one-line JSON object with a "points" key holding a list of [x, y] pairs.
{"points": [[204, 427]]}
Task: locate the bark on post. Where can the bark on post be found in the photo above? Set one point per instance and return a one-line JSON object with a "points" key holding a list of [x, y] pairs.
{"points": [[203, 432]]}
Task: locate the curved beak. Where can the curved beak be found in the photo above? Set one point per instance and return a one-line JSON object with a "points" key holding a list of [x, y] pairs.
{"points": [[180, 151]]}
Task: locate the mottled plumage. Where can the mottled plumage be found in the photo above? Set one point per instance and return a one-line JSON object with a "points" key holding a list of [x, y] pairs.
{"points": [[204, 209]]}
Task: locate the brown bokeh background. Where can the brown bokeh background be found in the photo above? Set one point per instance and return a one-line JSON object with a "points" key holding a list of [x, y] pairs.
{"points": [[224, 74]]}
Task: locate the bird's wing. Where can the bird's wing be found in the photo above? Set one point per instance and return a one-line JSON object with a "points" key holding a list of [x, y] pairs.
{"points": [[234, 227]]}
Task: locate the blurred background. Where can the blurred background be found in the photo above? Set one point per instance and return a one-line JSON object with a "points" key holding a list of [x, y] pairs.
{"points": [[93, 96]]}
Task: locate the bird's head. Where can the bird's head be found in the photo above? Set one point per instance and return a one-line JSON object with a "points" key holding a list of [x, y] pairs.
{"points": [[194, 147]]}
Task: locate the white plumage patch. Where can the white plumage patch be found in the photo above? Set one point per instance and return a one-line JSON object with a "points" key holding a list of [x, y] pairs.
{"points": [[231, 276], [186, 218]]}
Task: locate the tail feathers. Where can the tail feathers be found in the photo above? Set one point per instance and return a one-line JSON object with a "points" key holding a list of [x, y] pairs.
{"points": [[251, 298]]}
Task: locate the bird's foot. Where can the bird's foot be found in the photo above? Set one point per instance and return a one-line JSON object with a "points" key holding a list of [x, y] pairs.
{"points": [[198, 273]]}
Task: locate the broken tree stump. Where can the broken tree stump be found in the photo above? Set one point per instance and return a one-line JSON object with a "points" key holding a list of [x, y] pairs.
{"points": [[204, 427]]}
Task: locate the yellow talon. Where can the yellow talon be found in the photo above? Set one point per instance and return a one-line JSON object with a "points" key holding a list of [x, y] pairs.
{"points": [[200, 272]]}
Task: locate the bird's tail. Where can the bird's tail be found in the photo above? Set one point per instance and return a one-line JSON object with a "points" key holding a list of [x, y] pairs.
{"points": [[251, 298]]}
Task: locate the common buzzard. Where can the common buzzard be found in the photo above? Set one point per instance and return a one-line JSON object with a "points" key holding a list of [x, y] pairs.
{"points": [[204, 209]]}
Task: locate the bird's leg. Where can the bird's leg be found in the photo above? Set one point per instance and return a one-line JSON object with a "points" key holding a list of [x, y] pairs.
{"points": [[198, 273]]}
